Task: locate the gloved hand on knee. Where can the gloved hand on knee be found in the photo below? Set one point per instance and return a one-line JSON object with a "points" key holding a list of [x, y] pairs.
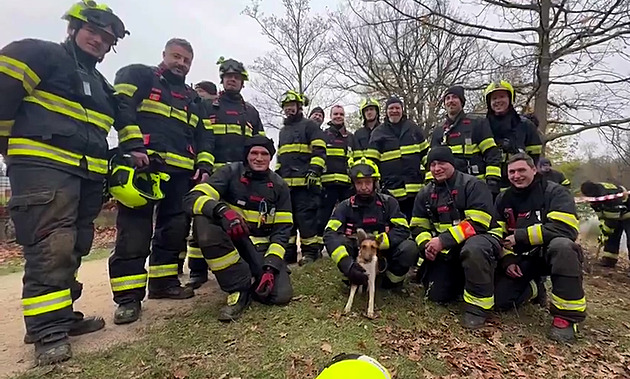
{"points": [[265, 286]]}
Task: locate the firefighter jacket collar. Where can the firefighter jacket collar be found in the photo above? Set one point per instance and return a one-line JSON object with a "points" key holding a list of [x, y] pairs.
{"points": [[524, 192], [337, 129], [455, 121], [169, 76], [402, 122], [85, 60], [255, 175]]}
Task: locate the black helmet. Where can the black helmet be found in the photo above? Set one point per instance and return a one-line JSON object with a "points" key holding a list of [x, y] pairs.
{"points": [[232, 66]]}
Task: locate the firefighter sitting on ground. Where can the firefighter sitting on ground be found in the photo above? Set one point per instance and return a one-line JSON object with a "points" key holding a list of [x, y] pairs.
{"points": [[613, 215], [452, 217], [539, 221], [242, 220], [375, 213]]}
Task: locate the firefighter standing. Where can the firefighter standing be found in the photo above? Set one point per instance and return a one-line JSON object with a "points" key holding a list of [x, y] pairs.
{"points": [[512, 133], [234, 121], [242, 222], [375, 213], [55, 114], [336, 182], [614, 217], [540, 225], [452, 219], [369, 109], [470, 140], [552, 175], [171, 119], [317, 115], [207, 90], [301, 162], [398, 146]]}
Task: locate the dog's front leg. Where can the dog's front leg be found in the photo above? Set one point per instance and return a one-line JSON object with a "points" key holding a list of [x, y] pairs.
{"points": [[353, 290], [371, 290]]}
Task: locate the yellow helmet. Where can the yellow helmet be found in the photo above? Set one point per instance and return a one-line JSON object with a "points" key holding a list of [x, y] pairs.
{"points": [[292, 95], [354, 366], [135, 189], [363, 168], [369, 102], [500, 86], [99, 15]]}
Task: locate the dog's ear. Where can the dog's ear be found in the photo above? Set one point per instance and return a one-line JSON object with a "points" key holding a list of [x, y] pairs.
{"points": [[379, 238], [361, 235]]}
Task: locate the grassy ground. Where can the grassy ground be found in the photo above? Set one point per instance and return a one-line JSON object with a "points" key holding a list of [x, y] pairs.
{"points": [[17, 264], [412, 337]]}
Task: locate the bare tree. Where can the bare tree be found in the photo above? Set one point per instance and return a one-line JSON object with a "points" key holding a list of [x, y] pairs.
{"points": [[300, 40], [380, 54], [571, 47]]}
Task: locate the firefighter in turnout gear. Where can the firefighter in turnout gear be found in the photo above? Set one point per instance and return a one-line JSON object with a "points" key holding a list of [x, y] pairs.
{"points": [[336, 182], [512, 133], [317, 115], [552, 175], [55, 114], [369, 109], [242, 222], [172, 122], [378, 214], [398, 146], [301, 162], [452, 220], [470, 140], [234, 121], [614, 218], [540, 226]]}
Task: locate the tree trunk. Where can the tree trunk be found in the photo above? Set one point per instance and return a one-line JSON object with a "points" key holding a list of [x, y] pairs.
{"points": [[544, 68]]}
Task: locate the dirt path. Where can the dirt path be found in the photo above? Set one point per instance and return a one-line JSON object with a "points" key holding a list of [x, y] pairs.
{"points": [[15, 356]]}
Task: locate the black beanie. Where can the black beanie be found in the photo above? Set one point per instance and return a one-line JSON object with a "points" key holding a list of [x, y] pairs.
{"points": [[442, 154], [317, 110], [457, 91], [209, 87], [259, 140], [591, 189], [393, 100]]}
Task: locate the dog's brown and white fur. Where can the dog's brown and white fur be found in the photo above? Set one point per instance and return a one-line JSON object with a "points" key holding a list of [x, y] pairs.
{"points": [[368, 259]]}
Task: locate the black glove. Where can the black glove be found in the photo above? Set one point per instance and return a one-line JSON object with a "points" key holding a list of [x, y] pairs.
{"points": [[353, 271], [313, 181], [493, 185]]}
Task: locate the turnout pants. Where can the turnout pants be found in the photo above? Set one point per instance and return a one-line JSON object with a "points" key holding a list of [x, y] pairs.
{"points": [[613, 241], [331, 196], [305, 204], [562, 260], [406, 206], [53, 212], [236, 263], [469, 271], [136, 240], [398, 258]]}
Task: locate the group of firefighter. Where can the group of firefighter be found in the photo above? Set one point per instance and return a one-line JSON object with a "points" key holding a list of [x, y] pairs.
{"points": [[475, 208]]}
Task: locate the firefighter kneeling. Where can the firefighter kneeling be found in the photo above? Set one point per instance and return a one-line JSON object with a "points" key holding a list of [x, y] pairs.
{"points": [[242, 221], [452, 219], [376, 213], [540, 224]]}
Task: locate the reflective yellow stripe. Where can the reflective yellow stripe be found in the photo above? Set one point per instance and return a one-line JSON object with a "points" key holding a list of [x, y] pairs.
{"points": [[221, 263], [69, 108], [335, 152], [161, 271], [390, 155], [534, 233], [333, 225], [482, 302], [199, 204], [608, 254], [283, 218], [33, 306], [129, 132], [207, 124], [423, 237], [156, 107], [428, 176], [373, 154], [318, 161], [318, 143], [566, 182], [295, 182], [493, 171], [175, 160], [294, 148], [310, 241], [229, 129], [497, 232], [385, 241], [5, 127], [394, 278], [125, 89], [205, 157], [534, 287], [194, 252], [399, 221], [506, 251], [457, 149], [478, 216], [130, 282], [420, 222], [413, 149], [412, 188], [27, 147], [339, 253], [442, 227], [208, 190], [533, 149], [292, 240], [503, 226], [458, 233], [275, 249], [486, 144], [568, 305], [20, 71], [259, 240], [471, 149], [564, 217], [398, 192], [326, 178]]}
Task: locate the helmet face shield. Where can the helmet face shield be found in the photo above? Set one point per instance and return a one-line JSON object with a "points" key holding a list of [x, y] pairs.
{"points": [[99, 15], [364, 168], [232, 66]]}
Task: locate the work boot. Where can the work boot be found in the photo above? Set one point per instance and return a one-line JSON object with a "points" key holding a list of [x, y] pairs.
{"points": [[290, 257], [127, 313], [53, 348], [306, 259], [386, 283], [197, 279], [473, 321], [175, 292], [237, 302], [81, 326], [562, 330], [607, 262]]}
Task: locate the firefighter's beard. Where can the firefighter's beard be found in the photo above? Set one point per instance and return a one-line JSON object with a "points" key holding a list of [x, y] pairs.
{"points": [[293, 118]]}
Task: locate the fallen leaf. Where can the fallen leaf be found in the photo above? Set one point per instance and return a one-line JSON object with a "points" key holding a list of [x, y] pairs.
{"points": [[180, 373], [326, 348]]}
